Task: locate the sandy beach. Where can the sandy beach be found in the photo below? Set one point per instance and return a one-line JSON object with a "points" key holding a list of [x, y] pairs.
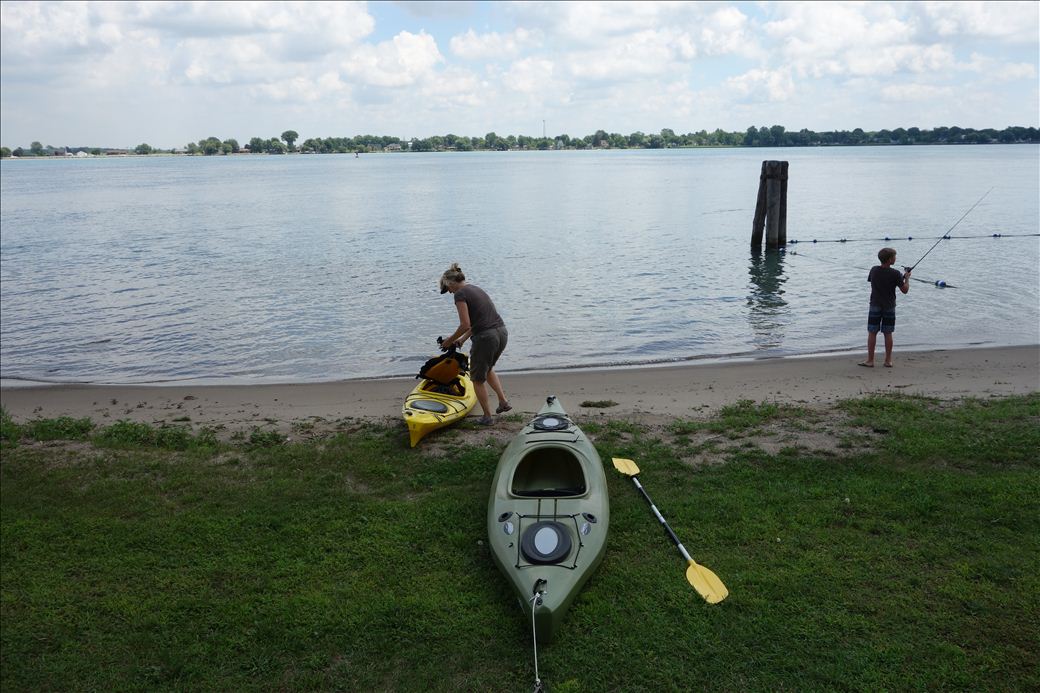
{"points": [[650, 394]]}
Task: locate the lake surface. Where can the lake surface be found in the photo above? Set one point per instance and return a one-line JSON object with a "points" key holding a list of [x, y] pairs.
{"points": [[314, 268]]}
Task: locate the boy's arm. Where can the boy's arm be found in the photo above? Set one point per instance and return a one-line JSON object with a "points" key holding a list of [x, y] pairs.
{"points": [[905, 286]]}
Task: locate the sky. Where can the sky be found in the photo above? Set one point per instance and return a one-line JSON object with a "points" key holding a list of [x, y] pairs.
{"points": [[118, 74]]}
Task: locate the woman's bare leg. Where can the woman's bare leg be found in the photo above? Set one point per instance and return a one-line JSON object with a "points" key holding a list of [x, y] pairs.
{"points": [[496, 385]]}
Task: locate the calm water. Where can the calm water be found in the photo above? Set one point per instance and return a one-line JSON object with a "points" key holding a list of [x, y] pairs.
{"points": [[309, 268]]}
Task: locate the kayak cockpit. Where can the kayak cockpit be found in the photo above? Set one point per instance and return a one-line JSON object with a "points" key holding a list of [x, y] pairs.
{"points": [[549, 472]]}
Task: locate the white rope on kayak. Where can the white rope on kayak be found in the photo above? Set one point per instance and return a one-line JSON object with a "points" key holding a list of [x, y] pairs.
{"points": [[534, 639]]}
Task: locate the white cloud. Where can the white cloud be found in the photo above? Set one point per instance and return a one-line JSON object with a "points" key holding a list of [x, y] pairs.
{"points": [[620, 66], [828, 27], [890, 60], [675, 101], [996, 70], [201, 61], [763, 85], [1013, 21], [296, 90], [590, 22], [727, 31], [396, 63], [324, 23], [51, 32], [456, 86], [643, 54], [203, 42], [915, 92], [598, 26], [492, 45], [529, 75]]}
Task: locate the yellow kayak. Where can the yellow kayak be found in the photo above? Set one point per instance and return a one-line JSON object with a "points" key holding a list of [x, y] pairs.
{"points": [[431, 405]]}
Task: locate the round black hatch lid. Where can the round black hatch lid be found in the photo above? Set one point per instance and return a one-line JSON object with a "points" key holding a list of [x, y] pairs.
{"points": [[545, 543], [551, 422]]}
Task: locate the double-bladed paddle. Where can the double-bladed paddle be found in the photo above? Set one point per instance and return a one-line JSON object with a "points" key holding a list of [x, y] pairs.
{"points": [[707, 583]]}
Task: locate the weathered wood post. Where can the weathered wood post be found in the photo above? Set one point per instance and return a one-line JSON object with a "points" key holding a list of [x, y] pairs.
{"points": [[771, 208]]}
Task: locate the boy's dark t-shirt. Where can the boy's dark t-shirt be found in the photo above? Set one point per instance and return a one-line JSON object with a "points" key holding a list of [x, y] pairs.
{"points": [[482, 313], [883, 284]]}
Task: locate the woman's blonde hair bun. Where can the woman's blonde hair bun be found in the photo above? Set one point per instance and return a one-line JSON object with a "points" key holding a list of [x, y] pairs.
{"points": [[452, 274]]}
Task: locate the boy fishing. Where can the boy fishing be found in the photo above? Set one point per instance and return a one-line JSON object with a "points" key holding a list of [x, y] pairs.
{"points": [[884, 280]]}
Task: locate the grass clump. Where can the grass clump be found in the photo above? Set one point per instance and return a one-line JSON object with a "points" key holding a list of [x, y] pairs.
{"points": [[599, 403], [133, 434], [259, 438], [62, 428], [10, 432], [741, 417]]}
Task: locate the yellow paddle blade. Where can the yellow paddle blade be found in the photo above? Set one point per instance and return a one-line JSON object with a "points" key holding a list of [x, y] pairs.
{"points": [[707, 583], [626, 467]]}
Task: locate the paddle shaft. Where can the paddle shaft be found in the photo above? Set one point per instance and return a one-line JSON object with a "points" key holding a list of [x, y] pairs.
{"points": [[664, 522]]}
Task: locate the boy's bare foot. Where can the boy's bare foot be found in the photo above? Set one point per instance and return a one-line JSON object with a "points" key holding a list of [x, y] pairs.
{"points": [[866, 364]]}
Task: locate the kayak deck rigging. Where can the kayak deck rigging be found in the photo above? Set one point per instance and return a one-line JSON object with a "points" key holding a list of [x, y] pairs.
{"points": [[526, 521]]}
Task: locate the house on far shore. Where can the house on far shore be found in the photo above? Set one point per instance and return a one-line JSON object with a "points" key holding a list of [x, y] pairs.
{"points": [[393, 147]]}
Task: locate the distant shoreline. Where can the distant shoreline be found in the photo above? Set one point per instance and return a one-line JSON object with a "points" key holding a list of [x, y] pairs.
{"points": [[161, 154]]}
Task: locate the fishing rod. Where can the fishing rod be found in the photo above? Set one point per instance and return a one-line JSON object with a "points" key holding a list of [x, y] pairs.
{"points": [[946, 235]]}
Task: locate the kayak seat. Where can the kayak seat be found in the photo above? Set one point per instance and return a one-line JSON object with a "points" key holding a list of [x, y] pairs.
{"points": [[548, 472], [455, 388]]}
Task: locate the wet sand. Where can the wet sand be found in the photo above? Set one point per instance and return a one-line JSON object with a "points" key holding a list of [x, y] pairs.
{"points": [[644, 394]]}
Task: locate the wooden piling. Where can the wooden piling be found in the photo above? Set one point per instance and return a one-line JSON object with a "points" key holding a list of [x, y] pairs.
{"points": [[771, 207]]}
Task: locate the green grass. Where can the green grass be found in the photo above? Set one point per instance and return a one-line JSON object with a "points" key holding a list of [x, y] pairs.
{"points": [[156, 559], [599, 403], [737, 418]]}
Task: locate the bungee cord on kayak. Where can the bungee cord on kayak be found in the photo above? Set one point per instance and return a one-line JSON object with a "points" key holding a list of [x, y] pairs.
{"points": [[536, 599]]}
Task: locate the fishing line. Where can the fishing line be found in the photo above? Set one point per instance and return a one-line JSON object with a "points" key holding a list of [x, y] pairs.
{"points": [[938, 282], [945, 237], [947, 234]]}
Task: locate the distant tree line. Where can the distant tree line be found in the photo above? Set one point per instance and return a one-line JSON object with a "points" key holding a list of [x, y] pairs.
{"points": [[775, 136]]}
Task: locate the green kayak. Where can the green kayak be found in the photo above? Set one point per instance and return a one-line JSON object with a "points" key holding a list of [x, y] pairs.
{"points": [[548, 515]]}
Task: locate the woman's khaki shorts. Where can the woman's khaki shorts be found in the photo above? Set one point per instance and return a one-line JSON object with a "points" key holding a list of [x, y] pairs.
{"points": [[487, 347]]}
